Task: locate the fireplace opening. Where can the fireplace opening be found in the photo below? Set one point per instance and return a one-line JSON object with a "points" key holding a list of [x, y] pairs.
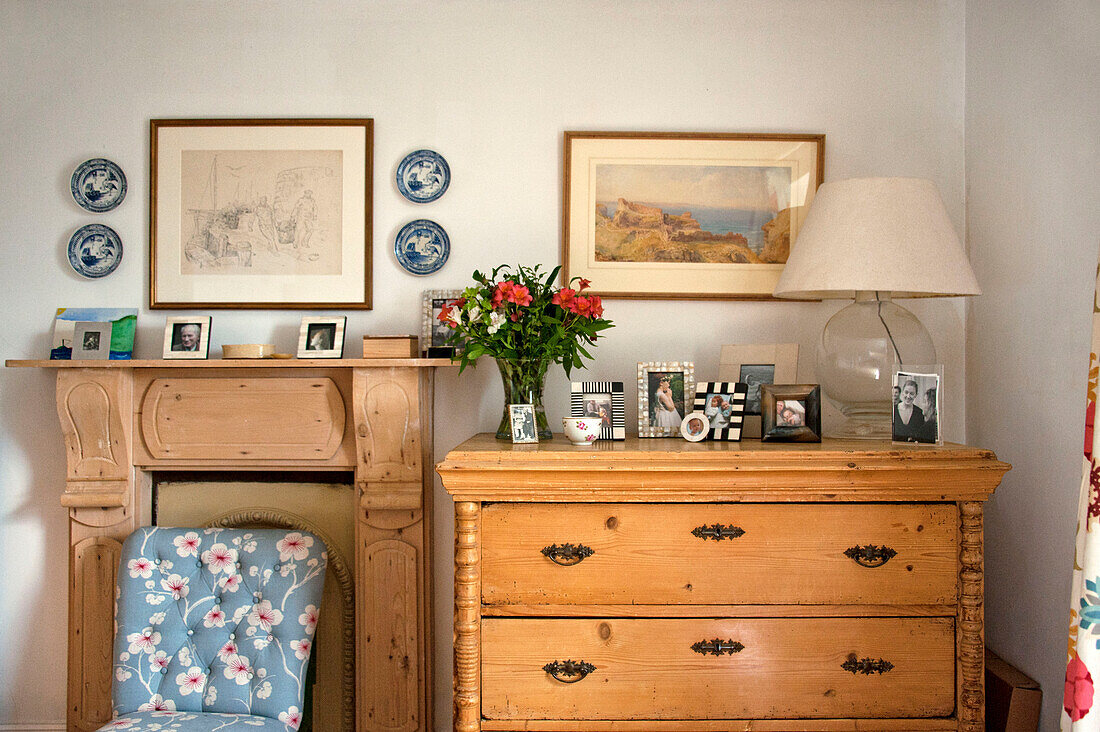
{"points": [[320, 502]]}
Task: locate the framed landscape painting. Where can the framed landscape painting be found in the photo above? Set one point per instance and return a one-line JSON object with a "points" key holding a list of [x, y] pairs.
{"points": [[662, 215], [260, 213]]}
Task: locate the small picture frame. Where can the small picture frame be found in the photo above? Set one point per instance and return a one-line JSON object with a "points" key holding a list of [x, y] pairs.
{"points": [[790, 412], [322, 337], [665, 389], [187, 337], [603, 400], [755, 364], [91, 341], [723, 405], [523, 423], [695, 427], [916, 416], [433, 332]]}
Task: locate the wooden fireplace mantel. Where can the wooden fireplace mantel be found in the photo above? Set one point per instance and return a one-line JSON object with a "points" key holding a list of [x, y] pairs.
{"points": [[123, 420]]}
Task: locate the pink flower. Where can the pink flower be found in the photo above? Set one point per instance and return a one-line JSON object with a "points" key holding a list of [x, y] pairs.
{"points": [[301, 648], [294, 545], [140, 567], [177, 585], [230, 582], [309, 618], [187, 545], [264, 615], [229, 649], [219, 558], [291, 717], [158, 704], [1079, 689], [158, 661], [215, 616], [144, 642], [193, 680], [238, 668]]}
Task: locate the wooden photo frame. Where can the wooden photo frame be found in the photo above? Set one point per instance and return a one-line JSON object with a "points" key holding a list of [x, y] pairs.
{"points": [[754, 364], [260, 213], [603, 400], [434, 333], [723, 404], [803, 401], [669, 215], [322, 337], [655, 418], [187, 337]]}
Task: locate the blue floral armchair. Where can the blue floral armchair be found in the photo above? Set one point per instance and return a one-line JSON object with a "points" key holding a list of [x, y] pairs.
{"points": [[214, 627]]}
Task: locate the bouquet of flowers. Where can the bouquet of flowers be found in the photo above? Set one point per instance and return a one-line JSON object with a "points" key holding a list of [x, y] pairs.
{"points": [[520, 319]]}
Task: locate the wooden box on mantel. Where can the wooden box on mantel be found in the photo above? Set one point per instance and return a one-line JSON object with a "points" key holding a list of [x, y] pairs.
{"points": [[391, 346]]}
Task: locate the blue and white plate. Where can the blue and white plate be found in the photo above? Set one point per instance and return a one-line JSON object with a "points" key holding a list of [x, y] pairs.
{"points": [[95, 250], [423, 176], [422, 247], [98, 185]]}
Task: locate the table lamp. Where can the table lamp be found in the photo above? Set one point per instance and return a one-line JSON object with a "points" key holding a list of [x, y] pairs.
{"points": [[872, 240]]}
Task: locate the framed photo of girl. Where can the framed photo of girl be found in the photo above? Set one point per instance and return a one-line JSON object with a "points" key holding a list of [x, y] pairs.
{"points": [[916, 405], [665, 389]]}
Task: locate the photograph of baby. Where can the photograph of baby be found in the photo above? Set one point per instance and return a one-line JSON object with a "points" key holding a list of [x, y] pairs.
{"points": [[755, 374], [719, 409], [599, 406], [694, 427], [790, 413]]}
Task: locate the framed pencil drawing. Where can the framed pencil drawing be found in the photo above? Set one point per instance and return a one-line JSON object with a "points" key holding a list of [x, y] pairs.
{"points": [[664, 215], [260, 213]]}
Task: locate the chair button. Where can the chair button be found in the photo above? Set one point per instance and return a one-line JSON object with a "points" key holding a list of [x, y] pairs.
{"points": [[270, 638], [276, 567], [232, 636], [190, 632], [256, 596], [198, 564], [217, 601], [163, 669]]}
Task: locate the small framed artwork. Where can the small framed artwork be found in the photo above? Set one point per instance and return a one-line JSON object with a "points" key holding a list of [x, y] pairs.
{"points": [[260, 213], [665, 389], [434, 333], [756, 364], [916, 410], [322, 337], [187, 337], [790, 412], [120, 325], [523, 423], [675, 215], [695, 427], [603, 400], [723, 404], [91, 340]]}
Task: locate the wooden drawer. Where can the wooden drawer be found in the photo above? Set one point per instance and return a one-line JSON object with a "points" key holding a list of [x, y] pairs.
{"points": [[788, 554], [646, 668]]}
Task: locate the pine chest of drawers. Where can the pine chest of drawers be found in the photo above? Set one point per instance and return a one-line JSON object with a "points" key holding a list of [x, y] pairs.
{"points": [[665, 585]]}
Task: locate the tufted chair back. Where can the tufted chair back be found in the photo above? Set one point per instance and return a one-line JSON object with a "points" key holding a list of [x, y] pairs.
{"points": [[216, 620]]}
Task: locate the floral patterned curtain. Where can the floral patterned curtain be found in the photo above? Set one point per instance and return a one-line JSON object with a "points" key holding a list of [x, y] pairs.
{"points": [[1084, 648]]}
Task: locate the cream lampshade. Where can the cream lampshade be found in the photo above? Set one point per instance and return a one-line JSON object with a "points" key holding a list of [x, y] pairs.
{"points": [[873, 239]]}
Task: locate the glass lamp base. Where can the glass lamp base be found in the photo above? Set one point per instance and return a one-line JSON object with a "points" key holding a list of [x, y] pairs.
{"points": [[859, 350]]}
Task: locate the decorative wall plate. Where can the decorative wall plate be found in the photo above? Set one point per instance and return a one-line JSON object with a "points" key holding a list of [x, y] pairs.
{"points": [[423, 176], [422, 247], [98, 185], [95, 250]]}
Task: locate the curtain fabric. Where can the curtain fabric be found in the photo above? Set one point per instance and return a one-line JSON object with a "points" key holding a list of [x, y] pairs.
{"points": [[1083, 665]]}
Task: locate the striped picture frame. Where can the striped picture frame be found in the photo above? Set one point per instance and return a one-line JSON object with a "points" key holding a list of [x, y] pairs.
{"points": [[734, 392], [601, 394]]}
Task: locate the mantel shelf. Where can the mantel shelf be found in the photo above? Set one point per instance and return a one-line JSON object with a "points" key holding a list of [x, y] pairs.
{"points": [[233, 363]]}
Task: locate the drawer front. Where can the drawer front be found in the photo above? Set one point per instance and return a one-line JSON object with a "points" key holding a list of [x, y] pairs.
{"points": [[719, 554], [647, 668]]}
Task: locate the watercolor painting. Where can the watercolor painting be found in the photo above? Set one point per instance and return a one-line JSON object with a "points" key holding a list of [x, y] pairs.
{"points": [[715, 214], [123, 325]]}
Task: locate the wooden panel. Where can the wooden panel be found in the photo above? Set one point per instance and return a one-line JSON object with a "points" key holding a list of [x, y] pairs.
{"points": [[94, 410], [91, 600], [275, 418], [712, 611], [788, 668], [388, 619], [467, 629], [726, 725], [387, 425], [790, 554]]}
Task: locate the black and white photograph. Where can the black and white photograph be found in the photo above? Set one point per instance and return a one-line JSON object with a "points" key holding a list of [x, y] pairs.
{"points": [[187, 337], [722, 403], [434, 333], [602, 400], [322, 337], [752, 376], [756, 364], [91, 341], [916, 409], [523, 423]]}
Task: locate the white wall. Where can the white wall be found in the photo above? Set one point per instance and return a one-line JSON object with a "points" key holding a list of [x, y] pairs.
{"points": [[492, 85], [1033, 210]]}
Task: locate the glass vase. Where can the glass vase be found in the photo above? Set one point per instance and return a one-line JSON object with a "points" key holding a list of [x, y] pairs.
{"points": [[523, 383]]}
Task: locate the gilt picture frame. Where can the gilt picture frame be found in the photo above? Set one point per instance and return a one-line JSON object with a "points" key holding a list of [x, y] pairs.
{"points": [[669, 215], [260, 213]]}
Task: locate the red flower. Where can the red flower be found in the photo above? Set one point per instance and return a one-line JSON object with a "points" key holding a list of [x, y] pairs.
{"points": [[582, 306], [445, 316], [564, 297], [596, 306], [1079, 689], [509, 291], [583, 284]]}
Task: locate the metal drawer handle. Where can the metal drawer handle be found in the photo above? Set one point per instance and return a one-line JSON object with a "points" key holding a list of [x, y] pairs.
{"points": [[567, 554], [870, 555], [866, 666], [717, 532], [717, 647], [569, 672]]}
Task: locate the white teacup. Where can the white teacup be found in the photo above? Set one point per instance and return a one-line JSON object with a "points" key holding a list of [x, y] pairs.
{"points": [[581, 430]]}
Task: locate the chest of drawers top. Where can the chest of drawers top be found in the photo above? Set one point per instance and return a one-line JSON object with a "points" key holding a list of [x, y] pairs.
{"points": [[642, 470]]}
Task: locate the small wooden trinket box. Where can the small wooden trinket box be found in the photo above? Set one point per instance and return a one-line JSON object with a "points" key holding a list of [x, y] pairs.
{"points": [[391, 346]]}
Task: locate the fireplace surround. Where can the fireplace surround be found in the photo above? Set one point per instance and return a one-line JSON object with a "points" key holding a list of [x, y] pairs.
{"points": [[123, 421]]}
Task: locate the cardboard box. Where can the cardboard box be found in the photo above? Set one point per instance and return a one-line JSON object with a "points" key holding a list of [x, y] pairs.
{"points": [[391, 346], [1012, 699]]}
